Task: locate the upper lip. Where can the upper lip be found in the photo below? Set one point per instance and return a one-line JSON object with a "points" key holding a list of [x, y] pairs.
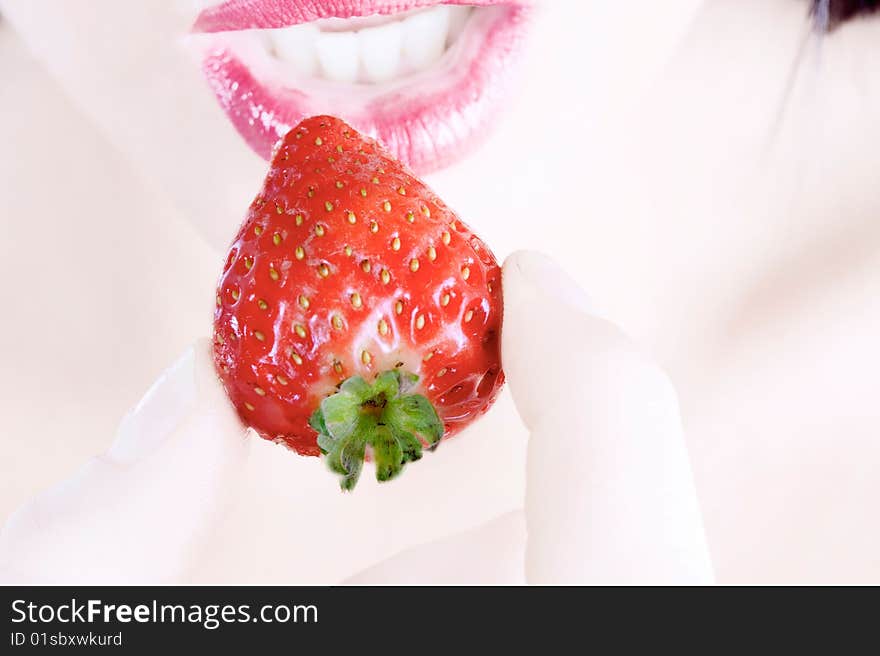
{"points": [[234, 15]]}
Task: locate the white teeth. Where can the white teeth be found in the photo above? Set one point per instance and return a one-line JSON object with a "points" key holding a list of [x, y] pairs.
{"points": [[424, 37], [371, 49], [458, 16], [338, 54], [380, 51], [297, 45]]}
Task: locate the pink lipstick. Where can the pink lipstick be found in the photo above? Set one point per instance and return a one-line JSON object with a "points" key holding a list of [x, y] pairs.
{"points": [[426, 78]]}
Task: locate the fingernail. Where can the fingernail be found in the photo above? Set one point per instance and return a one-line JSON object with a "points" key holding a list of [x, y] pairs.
{"points": [[164, 405], [546, 278]]}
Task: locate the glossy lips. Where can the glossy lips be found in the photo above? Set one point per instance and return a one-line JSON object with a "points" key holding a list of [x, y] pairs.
{"points": [[374, 63]]}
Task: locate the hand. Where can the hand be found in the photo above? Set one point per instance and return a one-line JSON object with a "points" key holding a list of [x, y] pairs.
{"points": [[609, 495], [609, 491], [137, 513]]}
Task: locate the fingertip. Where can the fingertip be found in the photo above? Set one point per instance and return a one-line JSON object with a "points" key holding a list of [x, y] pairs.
{"points": [[159, 410], [560, 356], [209, 388], [530, 274], [186, 390]]}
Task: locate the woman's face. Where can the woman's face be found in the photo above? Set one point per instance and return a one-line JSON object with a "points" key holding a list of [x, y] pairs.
{"points": [[602, 123], [634, 142], [706, 168], [196, 100]]}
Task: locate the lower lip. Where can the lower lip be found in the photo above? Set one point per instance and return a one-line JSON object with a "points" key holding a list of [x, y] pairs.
{"points": [[428, 124]]}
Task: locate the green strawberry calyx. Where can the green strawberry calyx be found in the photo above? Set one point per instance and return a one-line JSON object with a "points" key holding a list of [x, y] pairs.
{"points": [[384, 415]]}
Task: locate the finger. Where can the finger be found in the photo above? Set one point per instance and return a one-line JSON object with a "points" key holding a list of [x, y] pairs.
{"points": [[609, 491], [137, 513], [491, 554], [186, 394]]}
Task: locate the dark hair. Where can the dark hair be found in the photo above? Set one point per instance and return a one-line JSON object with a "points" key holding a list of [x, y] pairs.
{"points": [[831, 13]]}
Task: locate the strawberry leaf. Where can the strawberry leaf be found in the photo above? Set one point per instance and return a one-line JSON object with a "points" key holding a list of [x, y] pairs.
{"points": [[316, 421], [388, 454], [410, 445], [342, 410], [414, 414], [387, 385], [326, 443]]}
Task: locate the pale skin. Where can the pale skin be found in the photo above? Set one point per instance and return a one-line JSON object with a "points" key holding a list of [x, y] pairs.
{"points": [[722, 215]]}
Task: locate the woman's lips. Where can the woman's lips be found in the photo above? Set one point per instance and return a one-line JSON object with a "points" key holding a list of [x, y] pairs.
{"points": [[266, 14], [407, 73]]}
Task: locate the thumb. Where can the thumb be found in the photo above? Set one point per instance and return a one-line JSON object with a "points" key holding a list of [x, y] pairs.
{"points": [[135, 514], [609, 491]]}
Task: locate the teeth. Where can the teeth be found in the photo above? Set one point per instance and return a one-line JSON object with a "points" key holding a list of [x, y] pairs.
{"points": [[338, 54], [371, 49], [296, 45], [380, 51], [424, 37], [458, 16]]}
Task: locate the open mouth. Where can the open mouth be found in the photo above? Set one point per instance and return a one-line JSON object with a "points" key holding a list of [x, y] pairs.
{"points": [[426, 78]]}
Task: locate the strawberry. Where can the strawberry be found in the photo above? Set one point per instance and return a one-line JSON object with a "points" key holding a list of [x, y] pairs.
{"points": [[356, 314]]}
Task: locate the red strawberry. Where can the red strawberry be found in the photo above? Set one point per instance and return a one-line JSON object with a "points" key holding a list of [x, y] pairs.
{"points": [[356, 313]]}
